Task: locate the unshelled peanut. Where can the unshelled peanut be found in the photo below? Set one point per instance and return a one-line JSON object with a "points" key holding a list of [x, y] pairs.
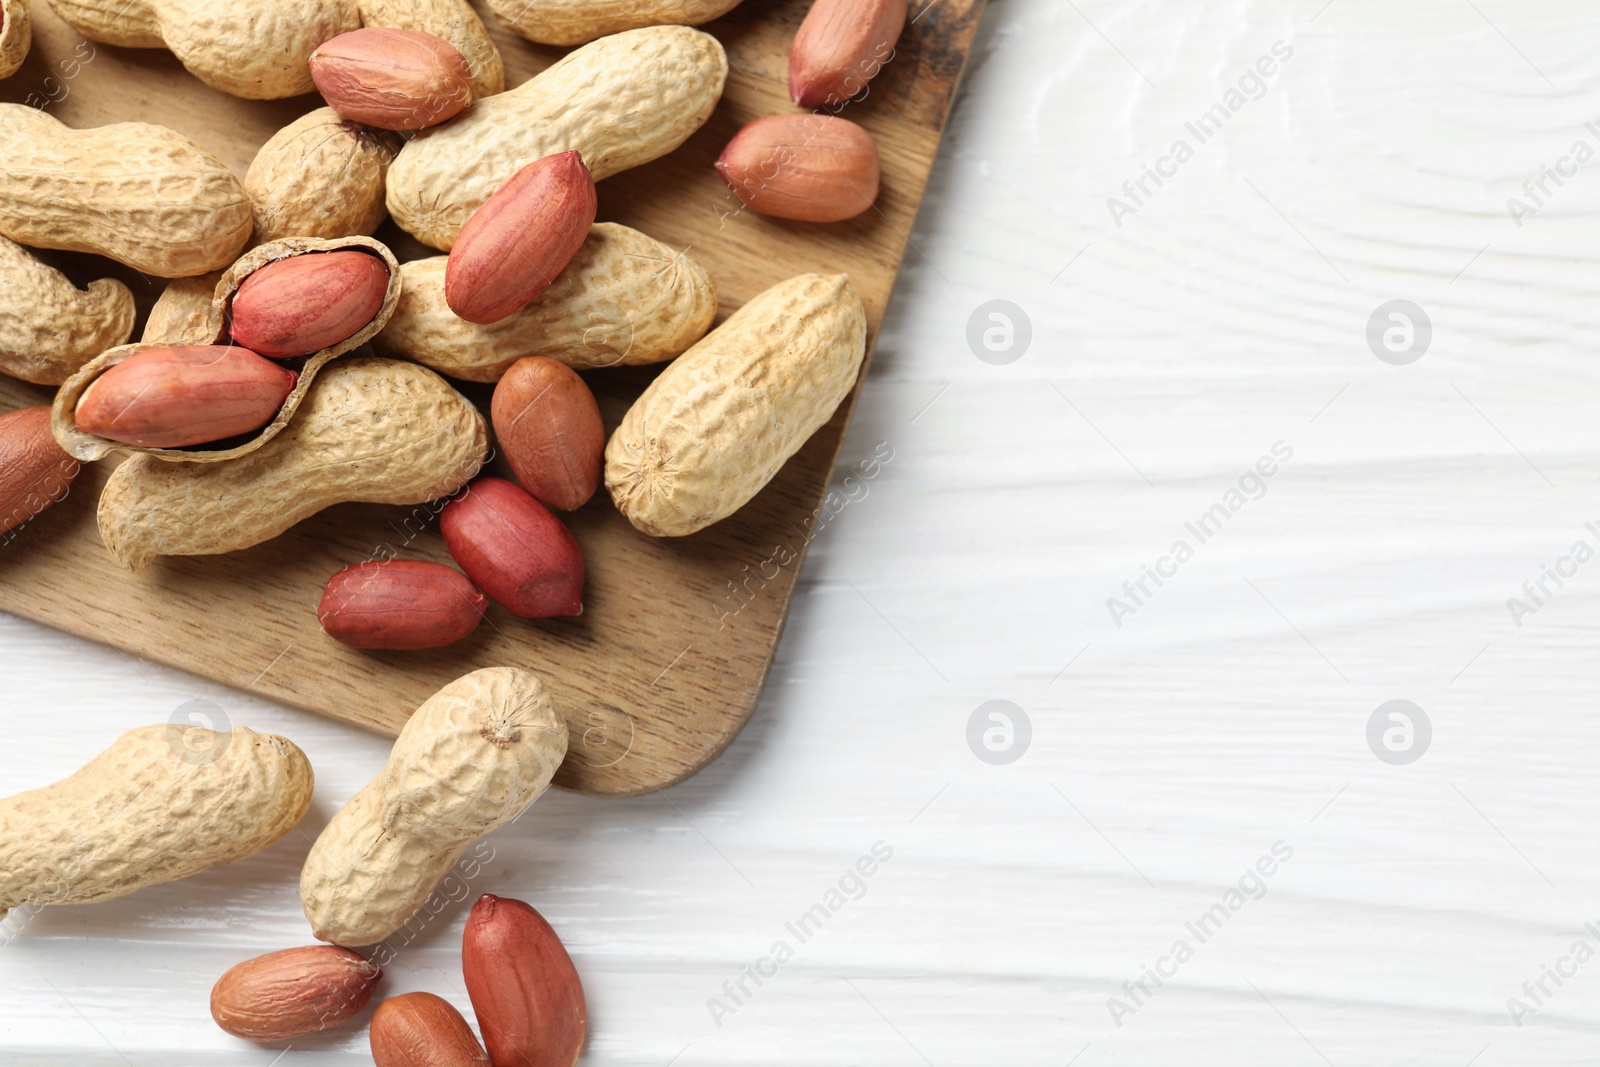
{"points": [[620, 102], [449, 20], [182, 313], [403, 604], [48, 326], [470, 759], [577, 21], [293, 992], [625, 299], [34, 471], [524, 989], [369, 429], [16, 35], [184, 395], [515, 550], [140, 194], [811, 168], [548, 425], [320, 176], [392, 79], [719, 422], [256, 49], [162, 803], [516, 245]]}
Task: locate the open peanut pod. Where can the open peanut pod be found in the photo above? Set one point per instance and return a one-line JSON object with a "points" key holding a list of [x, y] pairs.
{"points": [[269, 305]]}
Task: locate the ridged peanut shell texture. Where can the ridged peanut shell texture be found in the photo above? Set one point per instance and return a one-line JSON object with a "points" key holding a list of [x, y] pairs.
{"points": [[577, 21], [320, 176], [256, 49], [162, 803], [16, 36], [371, 430], [282, 320], [470, 759], [392, 79], [625, 299], [48, 326], [622, 101], [182, 313], [140, 194], [34, 472], [449, 20], [722, 419]]}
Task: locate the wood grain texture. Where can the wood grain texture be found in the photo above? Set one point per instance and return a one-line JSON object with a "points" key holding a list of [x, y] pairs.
{"points": [[665, 664]]}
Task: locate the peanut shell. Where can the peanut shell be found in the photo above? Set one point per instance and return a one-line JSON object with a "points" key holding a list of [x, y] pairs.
{"points": [[625, 299], [622, 101], [722, 419], [372, 430], [16, 36], [256, 49], [140, 194], [470, 759], [162, 803], [48, 326], [577, 21], [88, 446], [320, 176]]}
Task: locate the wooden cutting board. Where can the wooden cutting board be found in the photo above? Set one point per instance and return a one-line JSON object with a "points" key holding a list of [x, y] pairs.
{"points": [[666, 662]]}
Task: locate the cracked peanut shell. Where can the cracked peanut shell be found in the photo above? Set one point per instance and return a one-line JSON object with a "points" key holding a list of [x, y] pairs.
{"points": [[372, 430], [81, 444]]}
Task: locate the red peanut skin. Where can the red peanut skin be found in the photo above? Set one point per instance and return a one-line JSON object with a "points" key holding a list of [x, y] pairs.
{"points": [[34, 471], [517, 552], [292, 992], [524, 989], [400, 604], [305, 303], [184, 395], [548, 425], [521, 239], [423, 1030], [392, 79], [841, 46], [810, 168]]}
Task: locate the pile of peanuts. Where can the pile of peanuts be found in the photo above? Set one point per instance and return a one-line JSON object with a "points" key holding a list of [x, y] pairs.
{"points": [[294, 363]]}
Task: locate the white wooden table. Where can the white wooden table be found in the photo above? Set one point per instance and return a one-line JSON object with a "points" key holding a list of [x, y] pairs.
{"points": [[1225, 717]]}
